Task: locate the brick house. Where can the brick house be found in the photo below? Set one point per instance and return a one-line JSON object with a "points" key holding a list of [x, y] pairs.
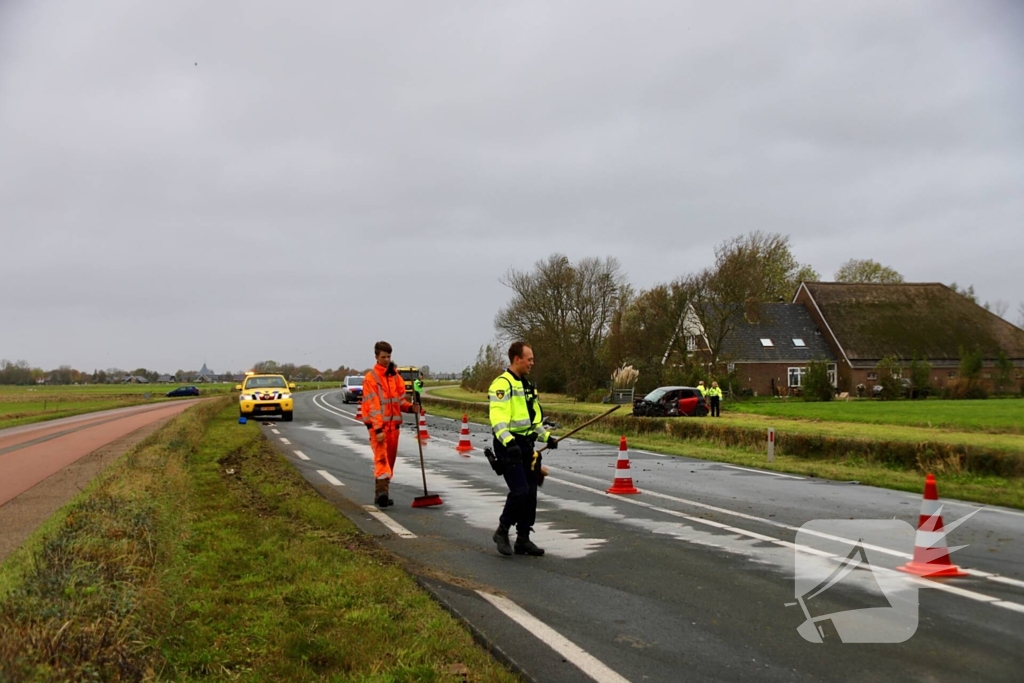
{"points": [[863, 323], [770, 345]]}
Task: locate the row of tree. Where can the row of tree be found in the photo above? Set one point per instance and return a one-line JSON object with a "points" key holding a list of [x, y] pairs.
{"points": [[23, 373], [584, 319]]}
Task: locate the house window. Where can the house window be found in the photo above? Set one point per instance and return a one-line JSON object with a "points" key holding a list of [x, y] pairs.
{"points": [[872, 375], [767, 343], [950, 375], [832, 374], [799, 343], [691, 342], [796, 376]]}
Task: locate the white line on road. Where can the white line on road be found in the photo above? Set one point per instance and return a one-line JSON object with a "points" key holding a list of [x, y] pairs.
{"points": [[301, 455], [275, 431], [572, 652], [973, 595], [660, 455], [399, 530], [331, 479], [285, 441], [774, 474]]}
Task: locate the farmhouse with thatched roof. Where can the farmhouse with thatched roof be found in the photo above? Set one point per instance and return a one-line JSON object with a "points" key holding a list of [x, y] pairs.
{"points": [[864, 323]]}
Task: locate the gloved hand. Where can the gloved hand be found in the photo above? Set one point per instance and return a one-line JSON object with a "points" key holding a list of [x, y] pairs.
{"points": [[552, 443]]}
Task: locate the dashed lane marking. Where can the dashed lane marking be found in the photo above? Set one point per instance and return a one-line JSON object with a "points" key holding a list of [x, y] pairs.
{"points": [[275, 431], [580, 658], [397, 528], [285, 441], [331, 479], [774, 474], [301, 455]]}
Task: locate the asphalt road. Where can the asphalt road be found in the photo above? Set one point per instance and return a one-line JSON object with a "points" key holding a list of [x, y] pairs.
{"points": [[692, 579]]}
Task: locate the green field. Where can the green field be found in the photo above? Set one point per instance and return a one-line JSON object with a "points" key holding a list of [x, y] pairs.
{"points": [[204, 555], [25, 405]]}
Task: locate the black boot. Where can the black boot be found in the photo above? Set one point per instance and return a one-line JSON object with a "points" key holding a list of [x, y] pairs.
{"points": [[500, 538], [524, 546], [381, 492]]}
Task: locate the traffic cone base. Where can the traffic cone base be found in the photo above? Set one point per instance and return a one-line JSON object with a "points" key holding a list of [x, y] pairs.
{"points": [[465, 446], [623, 482], [931, 556]]}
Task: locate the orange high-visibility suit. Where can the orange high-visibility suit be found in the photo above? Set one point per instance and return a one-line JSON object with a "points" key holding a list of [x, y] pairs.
{"points": [[383, 404]]}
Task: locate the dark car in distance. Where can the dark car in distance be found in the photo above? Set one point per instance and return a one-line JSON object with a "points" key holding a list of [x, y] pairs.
{"points": [[184, 391], [352, 390], [671, 402]]}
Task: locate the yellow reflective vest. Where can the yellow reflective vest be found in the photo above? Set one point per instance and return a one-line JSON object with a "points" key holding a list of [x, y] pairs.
{"points": [[509, 412], [715, 392]]}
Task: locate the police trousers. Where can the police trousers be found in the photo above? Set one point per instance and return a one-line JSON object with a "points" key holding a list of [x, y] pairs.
{"points": [[521, 502]]}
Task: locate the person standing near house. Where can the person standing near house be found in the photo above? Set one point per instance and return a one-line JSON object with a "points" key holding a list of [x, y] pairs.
{"points": [[517, 424], [715, 394], [417, 390], [703, 394], [383, 405]]}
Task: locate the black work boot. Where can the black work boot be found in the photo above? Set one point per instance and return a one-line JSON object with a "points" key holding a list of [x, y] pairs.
{"points": [[524, 546], [500, 538], [381, 491]]}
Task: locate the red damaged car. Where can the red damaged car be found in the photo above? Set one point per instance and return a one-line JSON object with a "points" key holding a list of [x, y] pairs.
{"points": [[671, 402]]}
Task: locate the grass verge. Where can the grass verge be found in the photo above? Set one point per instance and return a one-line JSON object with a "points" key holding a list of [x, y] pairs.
{"points": [[202, 554], [877, 467]]}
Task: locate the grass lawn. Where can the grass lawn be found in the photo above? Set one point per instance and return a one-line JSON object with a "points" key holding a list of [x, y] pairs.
{"points": [[24, 405], [992, 415], [204, 555]]}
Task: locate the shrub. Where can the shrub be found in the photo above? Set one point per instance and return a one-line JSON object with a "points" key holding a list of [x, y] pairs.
{"points": [[890, 370], [816, 384], [489, 364], [920, 373]]}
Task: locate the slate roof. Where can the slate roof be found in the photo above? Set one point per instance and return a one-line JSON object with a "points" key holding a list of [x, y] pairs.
{"points": [[782, 323], [929, 319]]}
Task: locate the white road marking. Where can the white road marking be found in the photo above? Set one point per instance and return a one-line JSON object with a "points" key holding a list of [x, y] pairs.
{"points": [[742, 515], [301, 455], [1009, 605], [275, 431], [660, 455], [924, 583], [572, 652], [331, 479], [397, 528], [774, 474], [285, 441]]}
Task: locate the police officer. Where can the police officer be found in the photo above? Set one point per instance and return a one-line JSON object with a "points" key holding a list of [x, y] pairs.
{"points": [[517, 424], [417, 389], [715, 394]]}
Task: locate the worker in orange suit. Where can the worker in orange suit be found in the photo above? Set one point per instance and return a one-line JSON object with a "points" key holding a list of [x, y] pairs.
{"points": [[383, 404]]}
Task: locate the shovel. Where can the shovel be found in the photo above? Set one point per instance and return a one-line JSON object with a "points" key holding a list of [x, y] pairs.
{"points": [[426, 500]]}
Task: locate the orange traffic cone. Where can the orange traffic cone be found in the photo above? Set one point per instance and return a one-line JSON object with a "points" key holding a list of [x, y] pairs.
{"points": [[423, 435], [359, 411], [931, 556], [623, 481], [464, 444]]}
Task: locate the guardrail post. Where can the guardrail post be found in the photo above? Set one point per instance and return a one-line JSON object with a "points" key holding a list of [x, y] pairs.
{"points": [[771, 444]]}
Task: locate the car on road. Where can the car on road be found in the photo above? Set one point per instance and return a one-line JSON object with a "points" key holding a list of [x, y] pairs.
{"points": [[671, 402], [265, 394], [352, 389], [183, 391]]}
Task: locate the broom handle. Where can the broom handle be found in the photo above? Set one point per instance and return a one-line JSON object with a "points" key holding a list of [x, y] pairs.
{"points": [[585, 424], [423, 469]]}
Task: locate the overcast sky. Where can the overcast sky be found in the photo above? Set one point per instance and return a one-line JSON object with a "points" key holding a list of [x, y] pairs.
{"points": [[226, 182]]}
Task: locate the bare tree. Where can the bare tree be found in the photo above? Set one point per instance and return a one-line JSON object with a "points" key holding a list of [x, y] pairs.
{"points": [[1020, 315], [564, 311], [868, 272], [1000, 307]]}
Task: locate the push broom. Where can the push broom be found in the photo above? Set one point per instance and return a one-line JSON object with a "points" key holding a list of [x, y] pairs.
{"points": [[426, 500]]}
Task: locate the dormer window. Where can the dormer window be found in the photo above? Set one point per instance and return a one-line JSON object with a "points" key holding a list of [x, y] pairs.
{"points": [[767, 343], [799, 343]]}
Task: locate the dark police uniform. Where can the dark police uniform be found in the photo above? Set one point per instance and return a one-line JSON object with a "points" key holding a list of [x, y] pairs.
{"points": [[517, 424]]}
